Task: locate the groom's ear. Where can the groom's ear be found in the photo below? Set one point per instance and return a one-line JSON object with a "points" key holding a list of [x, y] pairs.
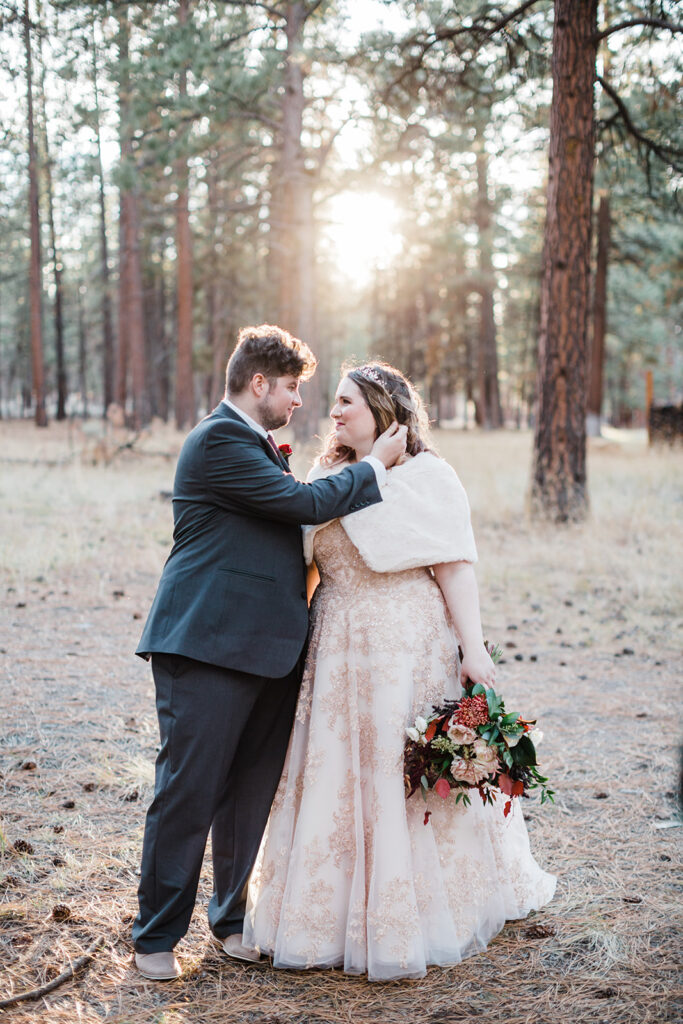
{"points": [[259, 385]]}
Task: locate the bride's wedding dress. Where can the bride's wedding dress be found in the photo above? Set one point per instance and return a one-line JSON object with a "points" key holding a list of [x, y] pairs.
{"points": [[348, 874]]}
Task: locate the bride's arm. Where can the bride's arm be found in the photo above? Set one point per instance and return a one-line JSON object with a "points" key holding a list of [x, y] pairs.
{"points": [[312, 580], [459, 588]]}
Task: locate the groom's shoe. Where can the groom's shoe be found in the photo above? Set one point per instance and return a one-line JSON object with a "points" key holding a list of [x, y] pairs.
{"points": [[232, 945], [158, 966]]}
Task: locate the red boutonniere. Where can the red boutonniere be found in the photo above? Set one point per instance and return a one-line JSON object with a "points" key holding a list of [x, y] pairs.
{"points": [[286, 451]]}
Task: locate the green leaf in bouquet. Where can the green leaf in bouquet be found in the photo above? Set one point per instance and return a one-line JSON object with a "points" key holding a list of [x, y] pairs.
{"points": [[510, 719], [477, 689], [524, 752], [495, 651], [507, 757], [493, 701]]}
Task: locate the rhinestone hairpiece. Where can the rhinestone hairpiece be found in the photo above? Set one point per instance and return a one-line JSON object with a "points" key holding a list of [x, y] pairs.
{"points": [[371, 374]]}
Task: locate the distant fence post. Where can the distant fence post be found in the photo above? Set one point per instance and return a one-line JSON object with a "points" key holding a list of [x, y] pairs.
{"points": [[649, 392]]}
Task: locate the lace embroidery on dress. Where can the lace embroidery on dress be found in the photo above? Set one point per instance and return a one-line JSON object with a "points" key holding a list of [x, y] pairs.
{"points": [[347, 874]]}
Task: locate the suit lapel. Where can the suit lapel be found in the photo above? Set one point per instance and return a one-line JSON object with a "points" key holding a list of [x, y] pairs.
{"points": [[224, 410]]}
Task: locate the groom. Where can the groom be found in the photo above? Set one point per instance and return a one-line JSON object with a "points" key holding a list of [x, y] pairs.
{"points": [[226, 634]]}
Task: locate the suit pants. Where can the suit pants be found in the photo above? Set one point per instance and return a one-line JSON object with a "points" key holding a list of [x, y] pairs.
{"points": [[224, 737]]}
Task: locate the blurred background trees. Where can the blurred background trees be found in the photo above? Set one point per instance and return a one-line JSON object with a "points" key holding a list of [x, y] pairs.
{"points": [[373, 177]]}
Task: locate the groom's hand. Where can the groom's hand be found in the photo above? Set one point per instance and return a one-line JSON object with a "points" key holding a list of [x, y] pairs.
{"points": [[391, 445]]}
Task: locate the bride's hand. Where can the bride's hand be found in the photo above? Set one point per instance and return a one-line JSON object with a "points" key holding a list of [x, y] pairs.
{"points": [[478, 667]]}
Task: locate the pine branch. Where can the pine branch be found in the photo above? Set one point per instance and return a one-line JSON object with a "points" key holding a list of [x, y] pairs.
{"points": [[481, 28], [667, 154], [268, 8], [226, 43], [66, 975], [634, 22]]}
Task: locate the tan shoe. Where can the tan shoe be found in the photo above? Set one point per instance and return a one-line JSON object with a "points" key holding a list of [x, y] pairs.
{"points": [[158, 966], [232, 945]]}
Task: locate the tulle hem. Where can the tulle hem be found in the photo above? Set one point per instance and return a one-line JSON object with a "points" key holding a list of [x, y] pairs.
{"points": [[378, 972]]}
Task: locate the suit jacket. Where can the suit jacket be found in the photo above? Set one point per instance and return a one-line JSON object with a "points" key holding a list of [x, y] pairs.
{"points": [[233, 590]]}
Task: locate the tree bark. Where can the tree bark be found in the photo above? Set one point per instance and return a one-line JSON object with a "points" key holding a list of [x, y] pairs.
{"points": [[218, 331], [35, 282], [82, 356], [131, 343], [123, 332], [185, 413], [108, 354], [57, 266], [558, 490], [599, 321], [489, 410], [296, 305]]}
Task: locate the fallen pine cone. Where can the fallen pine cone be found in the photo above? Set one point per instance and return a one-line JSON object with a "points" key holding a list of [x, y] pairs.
{"points": [[61, 912], [21, 846], [539, 931]]}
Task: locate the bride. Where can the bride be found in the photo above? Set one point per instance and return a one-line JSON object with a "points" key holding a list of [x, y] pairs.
{"points": [[348, 873]]}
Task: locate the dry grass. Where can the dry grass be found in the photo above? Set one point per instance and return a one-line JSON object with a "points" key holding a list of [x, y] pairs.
{"points": [[81, 546]]}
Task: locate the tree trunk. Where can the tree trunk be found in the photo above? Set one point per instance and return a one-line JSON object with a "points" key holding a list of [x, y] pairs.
{"points": [[218, 331], [489, 410], [82, 356], [131, 319], [599, 321], [558, 490], [185, 413], [108, 354], [296, 276], [35, 282], [159, 354], [62, 386], [123, 332]]}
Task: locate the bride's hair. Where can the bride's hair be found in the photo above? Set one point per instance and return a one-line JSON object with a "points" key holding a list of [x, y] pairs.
{"points": [[389, 396]]}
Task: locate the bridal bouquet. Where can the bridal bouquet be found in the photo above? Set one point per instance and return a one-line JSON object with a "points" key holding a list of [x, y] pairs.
{"points": [[473, 743]]}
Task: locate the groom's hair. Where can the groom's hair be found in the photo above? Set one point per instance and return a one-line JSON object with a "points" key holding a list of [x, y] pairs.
{"points": [[268, 350]]}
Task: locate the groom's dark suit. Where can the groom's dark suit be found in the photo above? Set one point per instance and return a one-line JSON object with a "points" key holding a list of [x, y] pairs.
{"points": [[226, 633]]}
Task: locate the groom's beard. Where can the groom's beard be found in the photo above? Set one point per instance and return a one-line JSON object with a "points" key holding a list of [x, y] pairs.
{"points": [[269, 417]]}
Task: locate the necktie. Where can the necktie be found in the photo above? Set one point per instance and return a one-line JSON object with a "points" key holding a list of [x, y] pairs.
{"points": [[271, 442]]}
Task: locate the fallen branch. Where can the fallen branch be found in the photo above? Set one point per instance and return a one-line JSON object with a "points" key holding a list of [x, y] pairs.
{"points": [[51, 463], [36, 993]]}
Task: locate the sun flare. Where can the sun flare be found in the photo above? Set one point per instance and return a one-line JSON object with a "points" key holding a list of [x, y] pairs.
{"points": [[363, 233]]}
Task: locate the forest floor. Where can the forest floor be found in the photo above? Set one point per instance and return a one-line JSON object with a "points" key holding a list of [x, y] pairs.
{"points": [[588, 616]]}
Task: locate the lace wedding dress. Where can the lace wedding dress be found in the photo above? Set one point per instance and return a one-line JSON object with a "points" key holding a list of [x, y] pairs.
{"points": [[348, 874]]}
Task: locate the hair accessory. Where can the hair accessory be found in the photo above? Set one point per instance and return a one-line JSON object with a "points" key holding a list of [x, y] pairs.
{"points": [[371, 374]]}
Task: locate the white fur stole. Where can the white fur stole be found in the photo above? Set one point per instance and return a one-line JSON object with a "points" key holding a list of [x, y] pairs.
{"points": [[423, 518]]}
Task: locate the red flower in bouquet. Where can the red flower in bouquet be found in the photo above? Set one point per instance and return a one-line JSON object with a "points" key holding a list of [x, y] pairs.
{"points": [[474, 744], [473, 711]]}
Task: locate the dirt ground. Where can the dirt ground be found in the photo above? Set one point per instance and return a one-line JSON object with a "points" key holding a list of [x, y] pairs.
{"points": [[590, 619]]}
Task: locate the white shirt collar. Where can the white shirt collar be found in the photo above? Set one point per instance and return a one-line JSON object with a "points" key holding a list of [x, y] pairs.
{"points": [[261, 431]]}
